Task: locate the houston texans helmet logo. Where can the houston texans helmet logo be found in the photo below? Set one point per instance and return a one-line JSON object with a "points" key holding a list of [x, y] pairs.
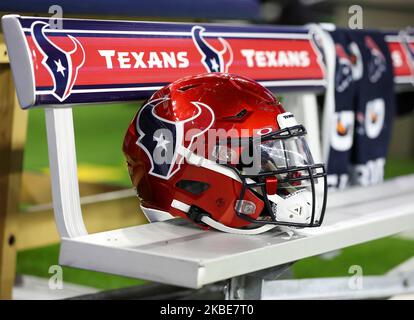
{"points": [[376, 60], [343, 76], [164, 140], [213, 60], [63, 66]]}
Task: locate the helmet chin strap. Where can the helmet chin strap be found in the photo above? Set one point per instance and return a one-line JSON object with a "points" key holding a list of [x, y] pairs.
{"points": [[219, 226]]}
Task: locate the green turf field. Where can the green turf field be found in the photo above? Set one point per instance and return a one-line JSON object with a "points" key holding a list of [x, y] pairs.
{"points": [[99, 136]]}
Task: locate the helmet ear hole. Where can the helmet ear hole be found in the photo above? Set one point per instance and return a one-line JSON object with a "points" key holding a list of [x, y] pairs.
{"points": [[194, 187]]}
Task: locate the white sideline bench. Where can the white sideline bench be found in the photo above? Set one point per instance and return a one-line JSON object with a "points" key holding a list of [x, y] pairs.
{"points": [[176, 252]]}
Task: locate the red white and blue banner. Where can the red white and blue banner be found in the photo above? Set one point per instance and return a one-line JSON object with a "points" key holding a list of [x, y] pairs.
{"points": [[97, 61], [90, 61]]}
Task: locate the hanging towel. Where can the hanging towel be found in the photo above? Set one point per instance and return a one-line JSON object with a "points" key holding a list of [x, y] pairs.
{"points": [[359, 105], [374, 108]]}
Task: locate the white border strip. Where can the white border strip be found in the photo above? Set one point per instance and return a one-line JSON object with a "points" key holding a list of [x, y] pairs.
{"points": [[403, 79], [255, 35], [282, 83], [103, 90], [397, 38]]}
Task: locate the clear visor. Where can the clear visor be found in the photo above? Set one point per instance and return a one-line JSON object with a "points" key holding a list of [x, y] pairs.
{"points": [[277, 156]]}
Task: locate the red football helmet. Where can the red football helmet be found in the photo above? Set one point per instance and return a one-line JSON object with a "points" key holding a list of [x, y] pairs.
{"points": [[219, 149]]}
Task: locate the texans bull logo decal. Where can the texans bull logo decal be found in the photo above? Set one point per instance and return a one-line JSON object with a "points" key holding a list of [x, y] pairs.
{"points": [[63, 66], [164, 140], [376, 62], [213, 60]]}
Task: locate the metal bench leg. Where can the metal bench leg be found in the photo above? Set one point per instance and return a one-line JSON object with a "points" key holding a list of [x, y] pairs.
{"points": [[12, 138], [249, 286]]}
